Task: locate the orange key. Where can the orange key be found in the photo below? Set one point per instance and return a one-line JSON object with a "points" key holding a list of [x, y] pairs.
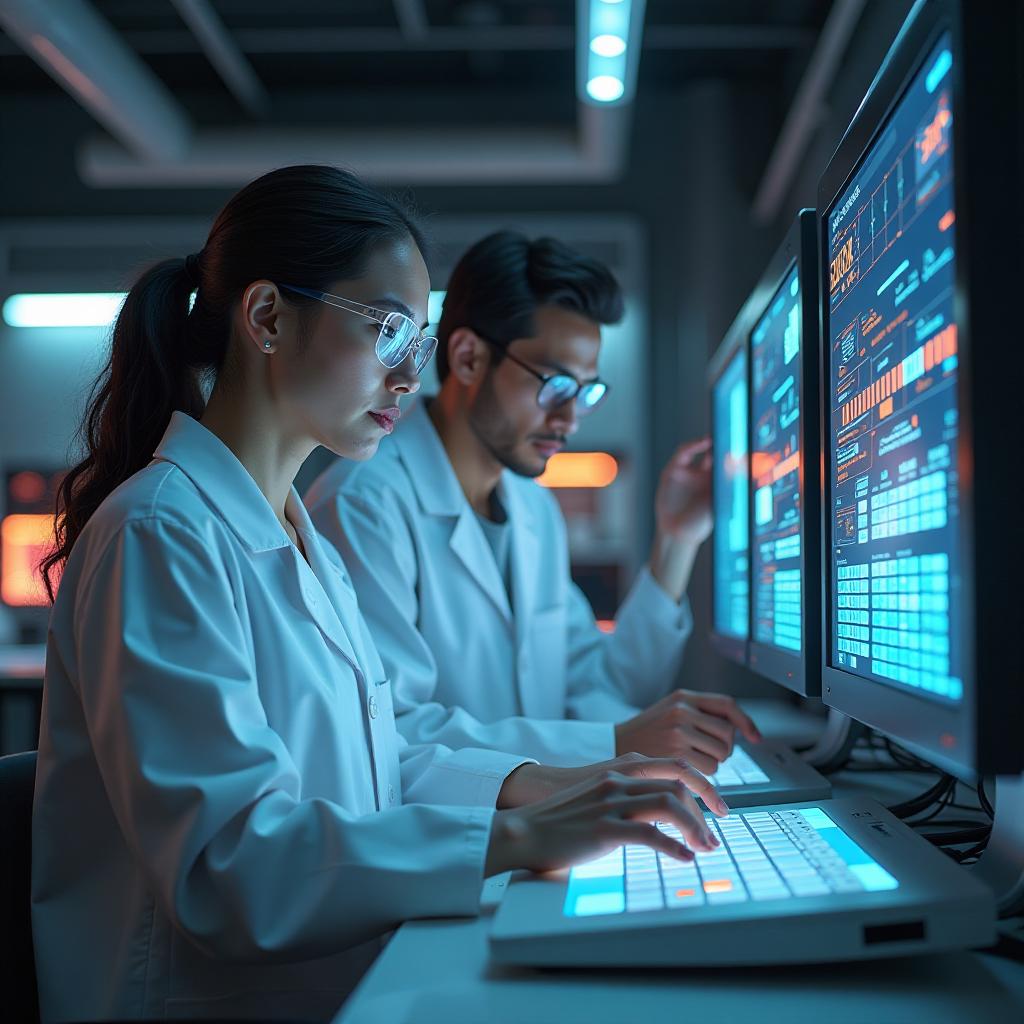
{"points": [[718, 885]]}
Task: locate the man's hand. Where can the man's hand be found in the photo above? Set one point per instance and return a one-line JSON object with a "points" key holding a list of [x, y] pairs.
{"points": [[698, 727], [682, 505], [682, 510]]}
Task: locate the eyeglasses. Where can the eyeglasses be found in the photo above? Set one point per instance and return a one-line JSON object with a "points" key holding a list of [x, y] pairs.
{"points": [[399, 336], [558, 388]]}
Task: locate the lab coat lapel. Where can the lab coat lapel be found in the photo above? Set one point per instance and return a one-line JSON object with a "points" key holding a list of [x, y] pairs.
{"points": [[470, 547], [337, 604], [525, 554], [439, 495]]}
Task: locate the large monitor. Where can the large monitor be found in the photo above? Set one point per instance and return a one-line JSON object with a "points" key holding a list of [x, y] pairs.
{"points": [[730, 496], [920, 235], [784, 464]]}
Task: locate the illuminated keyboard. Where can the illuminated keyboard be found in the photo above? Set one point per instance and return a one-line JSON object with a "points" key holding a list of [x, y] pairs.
{"points": [[738, 769], [764, 855]]}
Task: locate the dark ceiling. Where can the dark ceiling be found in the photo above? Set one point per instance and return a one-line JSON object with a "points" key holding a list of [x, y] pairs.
{"points": [[317, 56]]}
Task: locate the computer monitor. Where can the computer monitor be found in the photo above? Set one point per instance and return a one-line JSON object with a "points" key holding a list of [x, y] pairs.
{"points": [[727, 376], [784, 464], [26, 534], [920, 234]]}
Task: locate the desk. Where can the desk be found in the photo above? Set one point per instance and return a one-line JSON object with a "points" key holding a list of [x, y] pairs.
{"points": [[439, 971]]}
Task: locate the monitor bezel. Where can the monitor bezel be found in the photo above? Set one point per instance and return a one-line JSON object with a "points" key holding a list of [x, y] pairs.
{"points": [[980, 735], [735, 341], [799, 248]]}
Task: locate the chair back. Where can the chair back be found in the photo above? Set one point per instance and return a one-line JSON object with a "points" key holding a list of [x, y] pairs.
{"points": [[17, 959]]}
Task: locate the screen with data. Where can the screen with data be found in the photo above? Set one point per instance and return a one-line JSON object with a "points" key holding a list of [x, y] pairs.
{"points": [[892, 340], [729, 429], [775, 469]]}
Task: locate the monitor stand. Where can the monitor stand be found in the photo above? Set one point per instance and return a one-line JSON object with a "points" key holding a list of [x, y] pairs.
{"points": [[1001, 866], [834, 745]]}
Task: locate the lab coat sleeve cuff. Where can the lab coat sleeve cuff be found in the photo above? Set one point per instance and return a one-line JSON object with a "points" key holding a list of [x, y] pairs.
{"points": [[477, 840], [473, 776], [646, 598]]}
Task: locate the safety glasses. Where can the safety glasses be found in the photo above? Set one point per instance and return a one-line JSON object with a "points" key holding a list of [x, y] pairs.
{"points": [[558, 388], [399, 336]]}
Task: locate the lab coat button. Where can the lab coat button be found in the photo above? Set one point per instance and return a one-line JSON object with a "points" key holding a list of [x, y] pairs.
{"points": [[372, 705], [391, 794]]}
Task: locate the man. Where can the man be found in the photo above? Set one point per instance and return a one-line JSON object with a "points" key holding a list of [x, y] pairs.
{"points": [[460, 560]]}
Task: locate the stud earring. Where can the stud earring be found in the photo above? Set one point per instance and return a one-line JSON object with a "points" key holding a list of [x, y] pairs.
{"points": [[266, 344]]}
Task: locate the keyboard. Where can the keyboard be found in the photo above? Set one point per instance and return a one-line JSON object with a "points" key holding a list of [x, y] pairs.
{"points": [[764, 855], [738, 769]]}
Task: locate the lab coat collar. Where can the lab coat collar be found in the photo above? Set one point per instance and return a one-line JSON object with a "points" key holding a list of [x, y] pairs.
{"points": [[224, 482], [439, 493], [230, 489]]}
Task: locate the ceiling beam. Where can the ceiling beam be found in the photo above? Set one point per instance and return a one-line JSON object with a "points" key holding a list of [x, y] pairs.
{"points": [[223, 53], [412, 19], [592, 153], [806, 110], [508, 38], [83, 54]]}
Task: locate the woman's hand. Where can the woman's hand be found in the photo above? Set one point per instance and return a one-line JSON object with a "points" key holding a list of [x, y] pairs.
{"points": [[586, 820], [533, 782]]}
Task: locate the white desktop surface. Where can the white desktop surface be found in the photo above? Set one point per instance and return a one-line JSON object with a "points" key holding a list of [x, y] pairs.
{"points": [[439, 970]]}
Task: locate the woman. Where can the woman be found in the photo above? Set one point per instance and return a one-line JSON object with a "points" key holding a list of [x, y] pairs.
{"points": [[225, 818]]}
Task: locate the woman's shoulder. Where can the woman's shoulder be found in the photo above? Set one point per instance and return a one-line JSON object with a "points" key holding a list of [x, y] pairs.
{"points": [[159, 499]]}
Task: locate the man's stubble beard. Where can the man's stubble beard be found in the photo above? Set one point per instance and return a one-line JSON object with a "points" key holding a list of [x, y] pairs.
{"points": [[492, 428]]}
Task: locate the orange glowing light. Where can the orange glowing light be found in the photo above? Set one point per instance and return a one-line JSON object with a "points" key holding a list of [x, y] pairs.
{"points": [[947, 221], [718, 885], [933, 137], [762, 464], [25, 540], [790, 464], [579, 469], [27, 487]]}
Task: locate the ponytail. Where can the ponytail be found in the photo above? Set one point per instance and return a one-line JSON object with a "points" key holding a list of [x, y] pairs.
{"points": [[145, 379], [307, 224]]}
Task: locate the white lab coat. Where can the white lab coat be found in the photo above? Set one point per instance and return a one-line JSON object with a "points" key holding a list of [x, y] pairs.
{"points": [[536, 677], [218, 825]]}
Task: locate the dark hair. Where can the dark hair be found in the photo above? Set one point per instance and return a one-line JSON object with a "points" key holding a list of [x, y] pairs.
{"points": [[497, 286], [307, 225]]}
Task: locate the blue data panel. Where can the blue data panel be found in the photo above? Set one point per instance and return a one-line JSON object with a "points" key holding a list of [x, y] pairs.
{"points": [[729, 412], [871, 875], [893, 494], [775, 470]]}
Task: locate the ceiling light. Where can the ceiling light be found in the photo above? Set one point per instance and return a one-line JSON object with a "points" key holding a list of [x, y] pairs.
{"points": [[608, 45], [605, 88], [607, 50], [78, 309]]}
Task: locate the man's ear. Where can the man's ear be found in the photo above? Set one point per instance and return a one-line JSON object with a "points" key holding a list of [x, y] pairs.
{"points": [[469, 356]]}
